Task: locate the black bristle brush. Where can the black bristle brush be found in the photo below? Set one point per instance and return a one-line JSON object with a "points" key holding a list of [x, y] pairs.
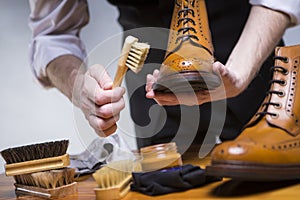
{"points": [[36, 157], [40, 169]]}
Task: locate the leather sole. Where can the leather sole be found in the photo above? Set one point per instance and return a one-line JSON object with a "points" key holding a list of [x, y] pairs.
{"points": [[191, 81], [246, 172]]}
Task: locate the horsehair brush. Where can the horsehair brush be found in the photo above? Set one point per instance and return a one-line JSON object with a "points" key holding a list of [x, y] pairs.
{"points": [[36, 157], [40, 169], [133, 56], [49, 184]]}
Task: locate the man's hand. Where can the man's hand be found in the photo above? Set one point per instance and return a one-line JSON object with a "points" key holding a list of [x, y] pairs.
{"points": [[90, 90], [101, 104], [257, 41], [231, 86]]}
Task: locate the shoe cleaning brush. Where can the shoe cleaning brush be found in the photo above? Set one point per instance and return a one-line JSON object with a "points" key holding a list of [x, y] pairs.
{"points": [[114, 179], [40, 169], [36, 157], [133, 56], [47, 184]]}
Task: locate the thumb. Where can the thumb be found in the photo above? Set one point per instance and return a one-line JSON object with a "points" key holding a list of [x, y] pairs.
{"points": [[220, 69], [99, 73]]}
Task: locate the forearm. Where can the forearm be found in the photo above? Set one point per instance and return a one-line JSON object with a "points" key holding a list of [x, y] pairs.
{"points": [[64, 71], [56, 26], [262, 32]]}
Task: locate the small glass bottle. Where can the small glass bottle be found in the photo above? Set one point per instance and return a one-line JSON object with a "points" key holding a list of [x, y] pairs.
{"points": [[160, 156]]}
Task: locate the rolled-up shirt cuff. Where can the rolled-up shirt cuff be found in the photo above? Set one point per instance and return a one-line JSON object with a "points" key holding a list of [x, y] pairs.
{"points": [[45, 48], [289, 7]]}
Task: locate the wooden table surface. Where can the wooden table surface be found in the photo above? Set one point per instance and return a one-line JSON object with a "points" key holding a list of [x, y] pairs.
{"points": [[225, 189]]}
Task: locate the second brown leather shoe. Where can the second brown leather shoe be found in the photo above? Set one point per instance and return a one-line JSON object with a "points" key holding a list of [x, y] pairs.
{"points": [[269, 146], [189, 58]]}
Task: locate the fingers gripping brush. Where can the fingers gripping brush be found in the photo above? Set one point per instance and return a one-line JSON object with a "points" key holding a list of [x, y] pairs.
{"points": [[40, 169], [133, 56]]}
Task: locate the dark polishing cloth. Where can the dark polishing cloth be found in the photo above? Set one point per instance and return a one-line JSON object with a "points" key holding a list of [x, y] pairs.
{"points": [[170, 180]]}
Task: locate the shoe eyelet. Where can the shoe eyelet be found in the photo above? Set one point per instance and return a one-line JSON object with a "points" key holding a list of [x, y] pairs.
{"points": [[281, 93], [283, 82], [275, 116], [278, 105]]}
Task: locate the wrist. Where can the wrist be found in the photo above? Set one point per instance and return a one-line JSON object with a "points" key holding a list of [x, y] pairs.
{"points": [[241, 73]]}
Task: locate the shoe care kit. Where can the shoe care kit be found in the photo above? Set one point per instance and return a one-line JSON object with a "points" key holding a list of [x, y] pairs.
{"points": [[41, 170]]}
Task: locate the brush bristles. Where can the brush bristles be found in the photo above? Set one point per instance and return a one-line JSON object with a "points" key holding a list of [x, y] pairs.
{"points": [[35, 151], [48, 179], [137, 56], [109, 177], [113, 173]]}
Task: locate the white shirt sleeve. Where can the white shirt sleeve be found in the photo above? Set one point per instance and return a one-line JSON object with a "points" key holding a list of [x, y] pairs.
{"points": [[290, 7], [55, 26]]}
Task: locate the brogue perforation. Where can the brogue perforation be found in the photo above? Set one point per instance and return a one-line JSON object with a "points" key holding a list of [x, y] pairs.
{"points": [[187, 66], [270, 143]]}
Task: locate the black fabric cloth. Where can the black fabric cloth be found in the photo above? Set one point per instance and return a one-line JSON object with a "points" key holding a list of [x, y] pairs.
{"points": [[170, 180], [226, 20]]}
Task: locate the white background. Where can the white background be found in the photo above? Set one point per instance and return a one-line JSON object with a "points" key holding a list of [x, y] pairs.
{"points": [[30, 114]]}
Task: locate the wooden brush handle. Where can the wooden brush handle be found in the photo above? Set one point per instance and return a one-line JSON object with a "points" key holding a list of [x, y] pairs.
{"points": [[114, 192], [121, 71], [37, 165]]}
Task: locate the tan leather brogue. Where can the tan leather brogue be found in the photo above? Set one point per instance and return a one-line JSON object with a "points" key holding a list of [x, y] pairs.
{"points": [[269, 146], [189, 58]]}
